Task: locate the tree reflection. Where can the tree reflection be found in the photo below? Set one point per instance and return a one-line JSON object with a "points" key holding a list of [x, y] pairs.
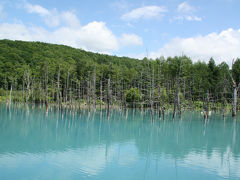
{"points": [[185, 141]]}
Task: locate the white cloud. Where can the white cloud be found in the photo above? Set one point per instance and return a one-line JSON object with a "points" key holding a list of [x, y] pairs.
{"points": [[95, 36], [185, 8], [188, 18], [52, 17], [18, 32], [223, 46], [145, 12], [36, 9], [193, 18], [121, 5], [131, 40], [69, 18], [136, 55], [186, 12]]}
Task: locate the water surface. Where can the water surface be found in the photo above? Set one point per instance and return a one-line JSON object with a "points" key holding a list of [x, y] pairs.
{"points": [[119, 145]]}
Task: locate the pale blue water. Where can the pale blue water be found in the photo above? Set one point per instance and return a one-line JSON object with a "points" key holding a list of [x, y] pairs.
{"points": [[126, 145]]}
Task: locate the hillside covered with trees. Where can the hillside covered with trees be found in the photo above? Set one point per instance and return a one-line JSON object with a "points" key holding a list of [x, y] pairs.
{"points": [[35, 72]]}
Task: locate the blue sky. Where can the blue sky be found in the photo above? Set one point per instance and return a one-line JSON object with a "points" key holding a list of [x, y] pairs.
{"points": [[200, 29]]}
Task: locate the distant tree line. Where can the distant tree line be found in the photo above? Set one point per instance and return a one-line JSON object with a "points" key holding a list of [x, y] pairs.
{"points": [[35, 72]]}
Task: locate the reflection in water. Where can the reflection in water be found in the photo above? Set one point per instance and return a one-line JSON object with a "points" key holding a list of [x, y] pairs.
{"points": [[124, 145]]}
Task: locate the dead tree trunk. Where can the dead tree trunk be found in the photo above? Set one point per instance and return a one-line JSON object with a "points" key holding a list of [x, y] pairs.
{"points": [[27, 80], [70, 94], [234, 96], [167, 95], [177, 104], [58, 87], [94, 88], [88, 93], [178, 93], [2, 95], [184, 95], [224, 98], [101, 92], [66, 95], [79, 94], [152, 99], [153, 86], [61, 96], [234, 100], [40, 92], [206, 112], [52, 93], [122, 95], [141, 90], [159, 101], [109, 94], [32, 90], [46, 90], [10, 98]]}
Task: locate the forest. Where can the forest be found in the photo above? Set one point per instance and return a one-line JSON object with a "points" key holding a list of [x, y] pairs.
{"points": [[61, 76]]}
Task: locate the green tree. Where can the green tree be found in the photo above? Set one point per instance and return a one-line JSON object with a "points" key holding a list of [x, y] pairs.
{"points": [[133, 95]]}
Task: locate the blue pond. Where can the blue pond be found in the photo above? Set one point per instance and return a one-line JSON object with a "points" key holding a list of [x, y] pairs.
{"points": [[118, 145]]}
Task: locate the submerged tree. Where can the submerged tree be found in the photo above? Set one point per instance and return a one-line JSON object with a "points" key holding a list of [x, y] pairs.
{"points": [[236, 85]]}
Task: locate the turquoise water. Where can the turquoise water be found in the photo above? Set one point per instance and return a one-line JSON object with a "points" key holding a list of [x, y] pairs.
{"points": [[122, 145]]}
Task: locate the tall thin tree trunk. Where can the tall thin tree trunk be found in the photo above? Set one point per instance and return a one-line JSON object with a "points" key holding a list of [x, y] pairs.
{"points": [[53, 93], [101, 94], [67, 88], [88, 94], [109, 94], [119, 95], [159, 101], [167, 95], [141, 88], [28, 86], [178, 93], [58, 87], [206, 113], [23, 100], [153, 86], [234, 101], [6, 90], [10, 99], [224, 98], [70, 94], [32, 90], [46, 84], [79, 94], [184, 94], [177, 104], [94, 88], [1, 95], [40, 92], [152, 97]]}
